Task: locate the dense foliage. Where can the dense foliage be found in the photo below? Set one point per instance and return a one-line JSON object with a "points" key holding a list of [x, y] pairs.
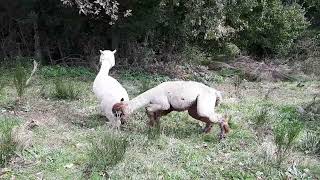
{"points": [[72, 32]]}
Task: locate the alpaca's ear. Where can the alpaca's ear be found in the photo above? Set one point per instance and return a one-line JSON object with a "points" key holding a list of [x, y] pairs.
{"points": [[101, 51], [114, 51]]}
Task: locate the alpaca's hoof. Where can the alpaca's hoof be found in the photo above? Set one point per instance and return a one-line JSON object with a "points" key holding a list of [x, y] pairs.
{"points": [[222, 136], [207, 129]]}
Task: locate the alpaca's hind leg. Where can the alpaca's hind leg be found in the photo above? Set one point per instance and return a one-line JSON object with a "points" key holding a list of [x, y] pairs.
{"points": [[205, 109], [193, 113]]}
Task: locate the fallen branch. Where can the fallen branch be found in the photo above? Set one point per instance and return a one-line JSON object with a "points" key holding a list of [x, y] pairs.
{"points": [[35, 67]]}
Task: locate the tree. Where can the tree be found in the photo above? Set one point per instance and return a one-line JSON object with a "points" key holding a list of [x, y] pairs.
{"points": [[98, 7]]}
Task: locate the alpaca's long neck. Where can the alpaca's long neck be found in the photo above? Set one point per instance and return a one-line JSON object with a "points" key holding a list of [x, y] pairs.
{"points": [[105, 67], [140, 101]]}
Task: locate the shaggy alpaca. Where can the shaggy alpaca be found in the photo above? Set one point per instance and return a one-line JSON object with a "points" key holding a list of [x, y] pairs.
{"points": [[107, 89], [199, 99]]}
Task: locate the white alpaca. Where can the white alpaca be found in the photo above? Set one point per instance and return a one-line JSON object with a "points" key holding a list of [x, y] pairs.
{"points": [[199, 99], [107, 89]]}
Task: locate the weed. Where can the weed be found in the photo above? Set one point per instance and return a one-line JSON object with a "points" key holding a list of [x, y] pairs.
{"points": [[64, 90], [310, 143], [108, 148], [261, 117], [7, 146], [20, 78]]}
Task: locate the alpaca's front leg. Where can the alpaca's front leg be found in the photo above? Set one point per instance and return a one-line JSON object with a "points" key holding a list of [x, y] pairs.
{"points": [[153, 112], [115, 124], [222, 132], [151, 116], [224, 126]]}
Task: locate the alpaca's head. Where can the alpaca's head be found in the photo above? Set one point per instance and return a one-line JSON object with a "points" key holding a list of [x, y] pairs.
{"points": [[120, 111], [107, 56]]}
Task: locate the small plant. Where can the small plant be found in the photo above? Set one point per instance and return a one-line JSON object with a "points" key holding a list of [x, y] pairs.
{"points": [[310, 143], [20, 78], [106, 151], [285, 134], [7, 146], [261, 117], [64, 90]]}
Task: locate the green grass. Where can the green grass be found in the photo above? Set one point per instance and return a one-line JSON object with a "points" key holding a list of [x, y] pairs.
{"points": [[107, 149], [65, 90], [7, 145], [66, 72], [73, 141]]}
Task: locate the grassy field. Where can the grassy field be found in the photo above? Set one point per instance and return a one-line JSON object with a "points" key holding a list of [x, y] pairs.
{"points": [[68, 139]]}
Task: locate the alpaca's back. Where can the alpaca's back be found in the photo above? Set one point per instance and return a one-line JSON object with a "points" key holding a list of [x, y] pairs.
{"points": [[107, 88]]}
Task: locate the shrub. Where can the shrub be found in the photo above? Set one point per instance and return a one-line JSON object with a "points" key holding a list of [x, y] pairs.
{"points": [[7, 145], [272, 27], [65, 90], [108, 148], [231, 50]]}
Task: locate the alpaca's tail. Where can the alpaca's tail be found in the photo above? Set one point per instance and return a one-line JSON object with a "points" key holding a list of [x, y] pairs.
{"points": [[219, 98]]}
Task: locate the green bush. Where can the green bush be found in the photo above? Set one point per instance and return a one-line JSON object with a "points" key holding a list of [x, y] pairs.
{"points": [[231, 50], [108, 148], [272, 27], [66, 90], [7, 146], [260, 27]]}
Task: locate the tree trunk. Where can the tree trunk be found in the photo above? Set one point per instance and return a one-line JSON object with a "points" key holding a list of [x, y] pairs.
{"points": [[115, 37], [37, 48]]}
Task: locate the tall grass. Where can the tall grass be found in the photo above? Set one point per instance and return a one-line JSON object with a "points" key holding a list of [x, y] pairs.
{"points": [[66, 90], [310, 143], [20, 78], [286, 133], [7, 145], [108, 148]]}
